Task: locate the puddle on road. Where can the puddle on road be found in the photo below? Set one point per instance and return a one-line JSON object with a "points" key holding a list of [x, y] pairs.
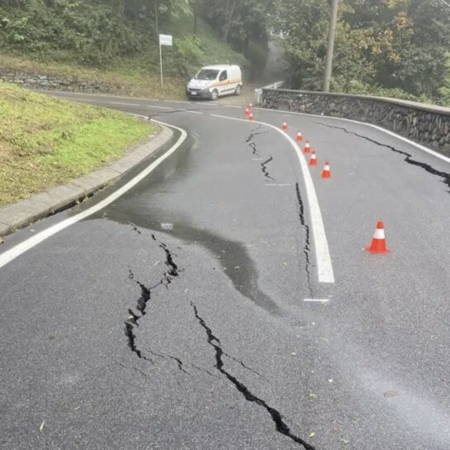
{"points": [[232, 256]]}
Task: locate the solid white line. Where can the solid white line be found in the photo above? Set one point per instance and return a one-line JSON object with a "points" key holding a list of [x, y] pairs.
{"points": [[120, 103], [21, 248], [278, 185], [193, 112], [391, 133], [155, 107], [316, 300], [291, 113], [324, 265]]}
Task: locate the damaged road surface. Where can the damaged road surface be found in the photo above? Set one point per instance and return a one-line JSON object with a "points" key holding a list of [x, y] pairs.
{"points": [[188, 314]]}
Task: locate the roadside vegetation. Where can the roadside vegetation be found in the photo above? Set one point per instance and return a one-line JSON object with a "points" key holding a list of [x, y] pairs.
{"points": [[389, 48], [45, 142], [116, 42]]}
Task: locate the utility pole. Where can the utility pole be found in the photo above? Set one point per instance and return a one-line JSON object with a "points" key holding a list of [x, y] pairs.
{"points": [[330, 49]]}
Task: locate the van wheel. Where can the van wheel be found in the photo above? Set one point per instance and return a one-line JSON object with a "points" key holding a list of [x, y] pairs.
{"points": [[214, 95], [238, 90]]}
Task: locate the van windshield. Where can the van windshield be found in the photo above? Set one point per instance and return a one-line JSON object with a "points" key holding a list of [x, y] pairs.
{"points": [[207, 74]]}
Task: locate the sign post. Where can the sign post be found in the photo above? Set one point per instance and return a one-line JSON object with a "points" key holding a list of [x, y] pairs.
{"points": [[164, 39]]}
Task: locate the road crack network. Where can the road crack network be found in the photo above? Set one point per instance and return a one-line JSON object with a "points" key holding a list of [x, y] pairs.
{"points": [[252, 144], [146, 293], [307, 246], [264, 169], [276, 416], [408, 157]]}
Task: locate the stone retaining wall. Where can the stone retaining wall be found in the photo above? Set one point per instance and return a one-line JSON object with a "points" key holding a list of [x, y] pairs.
{"points": [[426, 124], [45, 82]]}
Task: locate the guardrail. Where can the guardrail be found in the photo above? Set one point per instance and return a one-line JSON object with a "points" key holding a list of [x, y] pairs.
{"points": [[425, 124], [259, 91]]}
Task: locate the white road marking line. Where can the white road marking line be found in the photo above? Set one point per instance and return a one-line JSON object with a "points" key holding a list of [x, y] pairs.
{"points": [[316, 300], [324, 264], [279, 184], [120, 103], [155, 107], [24, 246], [391, 133], [193, 112], [234, 106]]}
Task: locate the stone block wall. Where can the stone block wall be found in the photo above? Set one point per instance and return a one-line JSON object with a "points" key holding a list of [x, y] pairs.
{"points": [[425, 124], [54, 83]]}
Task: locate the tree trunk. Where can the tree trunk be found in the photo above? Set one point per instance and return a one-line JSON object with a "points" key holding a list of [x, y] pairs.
{"points": [[227, 27], [157, 17], [195, 17]]}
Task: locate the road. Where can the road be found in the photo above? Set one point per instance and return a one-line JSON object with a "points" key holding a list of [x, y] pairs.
{"points": [[219, 252]]}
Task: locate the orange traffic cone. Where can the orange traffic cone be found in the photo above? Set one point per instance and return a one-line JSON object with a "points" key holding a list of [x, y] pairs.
{"points": [[299, 137], [313, 160], [247, 112], [284, 127], [326, 170], [250, 117], [378, 245], [307, 148]]}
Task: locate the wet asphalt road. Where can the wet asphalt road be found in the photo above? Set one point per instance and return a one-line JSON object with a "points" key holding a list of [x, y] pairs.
{"points": [[215, 249]]}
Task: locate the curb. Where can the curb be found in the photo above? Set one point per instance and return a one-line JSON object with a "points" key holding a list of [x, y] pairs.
{"points": [[39, 206]]}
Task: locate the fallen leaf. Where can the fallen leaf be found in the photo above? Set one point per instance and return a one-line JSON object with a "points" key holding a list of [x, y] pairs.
{"points": [[311, 435], [41, 428], [330, 380], [313, 395], [294, 354], [390, 394]]}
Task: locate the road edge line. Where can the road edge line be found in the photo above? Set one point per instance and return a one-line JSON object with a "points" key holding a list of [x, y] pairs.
{"points": [[323, 258], [371, 125], [11, 254]]}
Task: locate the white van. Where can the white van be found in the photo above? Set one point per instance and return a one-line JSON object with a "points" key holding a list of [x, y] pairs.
{"points": [[215, 81]]}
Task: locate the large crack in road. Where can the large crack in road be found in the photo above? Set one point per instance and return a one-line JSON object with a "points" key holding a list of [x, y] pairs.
{"points": [[408, 157], [307, 245], [276, 416]]}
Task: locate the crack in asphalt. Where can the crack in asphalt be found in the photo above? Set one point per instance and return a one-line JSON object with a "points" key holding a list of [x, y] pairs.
{"points": [[408, 157], [133, 319], [173, 271], [251, 142], [307, 246], [174, 111], [146, 294], [264, 169], [135, 228], [276, 416], [170, 357]]}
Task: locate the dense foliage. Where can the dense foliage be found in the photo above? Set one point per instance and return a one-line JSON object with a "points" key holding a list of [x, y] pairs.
{"points": [[97, 32], [390, 47]]}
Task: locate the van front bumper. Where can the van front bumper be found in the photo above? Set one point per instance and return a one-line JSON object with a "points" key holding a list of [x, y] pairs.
{"points": [[195, 93]]}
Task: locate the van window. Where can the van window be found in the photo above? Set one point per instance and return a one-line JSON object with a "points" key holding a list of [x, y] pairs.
{"points": [[207, 74], [223, 76]]}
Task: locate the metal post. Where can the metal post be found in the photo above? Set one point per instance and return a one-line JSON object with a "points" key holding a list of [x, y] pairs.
{"points": [[330, 49], [161, 64]]}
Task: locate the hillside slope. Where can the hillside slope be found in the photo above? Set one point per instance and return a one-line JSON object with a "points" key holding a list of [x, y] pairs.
{"points": [[45, 142], [89, 41]]}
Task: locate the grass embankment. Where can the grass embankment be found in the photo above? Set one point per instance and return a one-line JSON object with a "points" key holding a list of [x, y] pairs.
{"points": [[46, 142], [138, 76]]}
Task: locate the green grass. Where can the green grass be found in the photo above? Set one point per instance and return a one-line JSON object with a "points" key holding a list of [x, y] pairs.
{"points": [[138, 76], [46, 142]]}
